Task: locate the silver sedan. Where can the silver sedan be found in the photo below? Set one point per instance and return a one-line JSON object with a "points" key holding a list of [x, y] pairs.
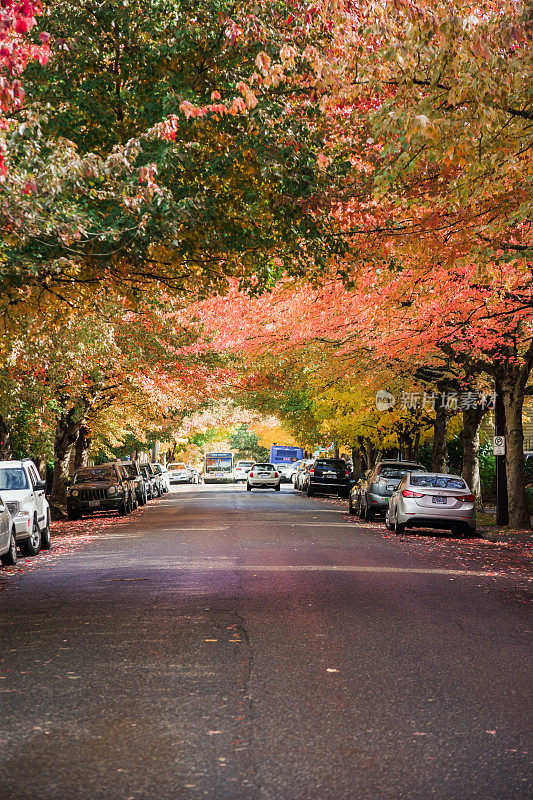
{"points": [[432, 500]]}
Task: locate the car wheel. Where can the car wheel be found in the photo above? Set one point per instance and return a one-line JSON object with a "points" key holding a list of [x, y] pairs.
{"points": [[72, 516], [368, 514], [277, 488], [248, 487], [32, 545], [122, 509], [9, 559], [399, 527], [351, 508], [310, 492], [46, 541], [388, 524]]}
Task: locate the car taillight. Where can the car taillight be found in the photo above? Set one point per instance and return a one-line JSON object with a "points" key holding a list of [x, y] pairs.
{"points": [[251, 475], [347, 473], [276, 475], [409, 493], [468, 498]]}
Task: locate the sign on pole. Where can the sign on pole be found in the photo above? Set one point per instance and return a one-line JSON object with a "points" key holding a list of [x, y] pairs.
{"points": [[498, 445]]}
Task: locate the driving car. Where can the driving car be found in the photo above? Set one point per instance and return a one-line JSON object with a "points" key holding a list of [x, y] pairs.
{"points": [[23, 492], [178, 472], [263, 476], [134, 473], [327, 476], [432, 500], [301, 473], [104, 487], [287, 471], [8, 543], [379, 485], [241, 470]]}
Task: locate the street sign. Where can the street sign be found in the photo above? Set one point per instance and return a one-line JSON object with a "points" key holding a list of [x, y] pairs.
{"points": [[498, 445]]}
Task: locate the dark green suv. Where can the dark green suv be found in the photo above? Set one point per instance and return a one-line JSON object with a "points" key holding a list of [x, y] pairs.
{"points": [[105, 487]]}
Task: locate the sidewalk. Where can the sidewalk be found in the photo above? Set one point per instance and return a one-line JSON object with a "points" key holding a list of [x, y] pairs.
{"points": [[517, 540]]}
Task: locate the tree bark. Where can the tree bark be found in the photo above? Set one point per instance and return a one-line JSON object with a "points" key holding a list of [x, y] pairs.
{"points": [[83, 444], [440, 448], [472, 418], [5, 441], [513, 398], [67, 430]]}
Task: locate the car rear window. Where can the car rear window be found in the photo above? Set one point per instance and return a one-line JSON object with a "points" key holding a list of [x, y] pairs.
{"points": [[13, 478], [94, 474], [264, 466], [437, 482], [176, 466], [396, 470], [245, 464], [332, 463]]}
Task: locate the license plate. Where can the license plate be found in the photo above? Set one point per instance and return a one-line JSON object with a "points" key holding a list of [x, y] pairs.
{"points": [[94, 503], [264, 475], [439, 500], [330, 474], [219, 474]]}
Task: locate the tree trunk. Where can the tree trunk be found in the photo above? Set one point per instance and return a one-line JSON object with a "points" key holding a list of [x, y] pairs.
{"points": [[369, 454], [5, 441], [83, 444], [357, 461], [440, 448], [67, 430], [472, 418], [335, 449], [513, 398]]}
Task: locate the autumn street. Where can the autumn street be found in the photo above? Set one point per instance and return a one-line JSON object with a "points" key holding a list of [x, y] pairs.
{"points": [[264, 646]]}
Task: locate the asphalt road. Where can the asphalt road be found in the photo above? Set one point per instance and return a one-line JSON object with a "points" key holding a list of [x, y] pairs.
{"points": [[234, 646]]}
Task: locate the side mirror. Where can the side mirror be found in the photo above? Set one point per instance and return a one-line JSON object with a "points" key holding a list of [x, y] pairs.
{"points": [[40, 486], [2, 508]]}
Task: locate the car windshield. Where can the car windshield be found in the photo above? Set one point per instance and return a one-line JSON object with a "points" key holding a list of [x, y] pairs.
{"points": [[130, 470], [244, 464], [13, 478], [176, 466], [437, 482], [157, 469], [145, 472], [332, 463], [264, 466], [95, 474]]}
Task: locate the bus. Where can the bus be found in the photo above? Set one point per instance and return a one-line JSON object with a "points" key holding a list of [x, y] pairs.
{"points": [[218, 468], [281, 454]]}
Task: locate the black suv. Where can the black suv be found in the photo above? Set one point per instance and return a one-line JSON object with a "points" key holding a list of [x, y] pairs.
{"points": [[328, 475], [105, 487], [133, 471], [379, 484]]}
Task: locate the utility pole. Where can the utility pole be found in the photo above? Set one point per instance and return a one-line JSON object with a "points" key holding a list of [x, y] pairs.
{"points": [[502, 506]]}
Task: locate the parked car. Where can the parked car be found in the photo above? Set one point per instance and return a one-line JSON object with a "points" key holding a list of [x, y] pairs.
{"points": [[296, 467], [263, 476], [241, 470], [287, 471], [328, 476], [23, 492], [178, 472], [133, 471], [8, 542], [354, 500], [104, 487], [156, 478], [432, 500], [150, 481], [195, 475], [379, 485], [301, 473], [162, 471]]}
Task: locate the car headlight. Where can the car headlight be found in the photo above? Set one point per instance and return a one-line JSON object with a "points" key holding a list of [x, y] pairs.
{"points": [[74, 493], [112, 490]]}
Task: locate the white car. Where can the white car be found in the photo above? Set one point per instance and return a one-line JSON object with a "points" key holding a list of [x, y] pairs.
{"points": [[8, 544], [23, 492], [432, 500], [178, 472], [263, 476], [241, 470], [287, 471], [165, 477]]}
